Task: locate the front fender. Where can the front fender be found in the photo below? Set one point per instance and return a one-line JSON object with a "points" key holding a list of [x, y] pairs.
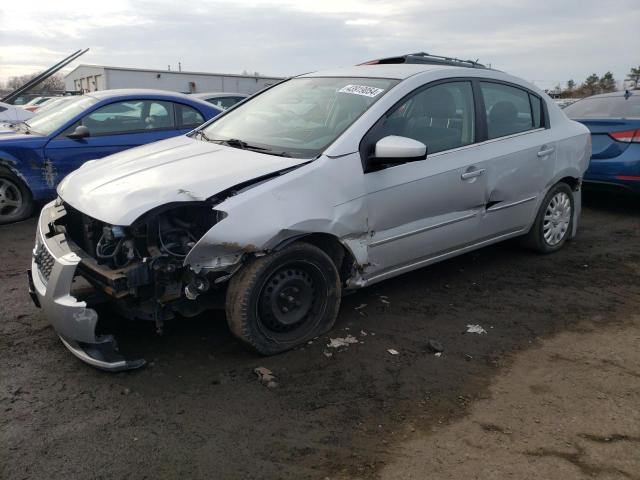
{"points": [[326, 196], [28, 165]]}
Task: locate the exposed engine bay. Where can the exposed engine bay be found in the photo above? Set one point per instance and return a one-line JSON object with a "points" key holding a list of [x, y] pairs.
{"points": [[141, 266]]}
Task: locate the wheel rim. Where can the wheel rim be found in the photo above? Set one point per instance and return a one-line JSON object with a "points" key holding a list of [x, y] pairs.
{"points": [[10, 198], [291, 301], [557, 218]]}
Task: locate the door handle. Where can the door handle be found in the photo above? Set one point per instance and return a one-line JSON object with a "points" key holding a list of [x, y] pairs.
{"points": [[473, 174], [545, 151]]}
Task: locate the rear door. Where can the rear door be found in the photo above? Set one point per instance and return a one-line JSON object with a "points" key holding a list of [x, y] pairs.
{"points": [[523, 156], [113, 128]]}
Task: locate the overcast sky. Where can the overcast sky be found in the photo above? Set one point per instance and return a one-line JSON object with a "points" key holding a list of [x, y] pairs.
{"points": [[540, 40]]}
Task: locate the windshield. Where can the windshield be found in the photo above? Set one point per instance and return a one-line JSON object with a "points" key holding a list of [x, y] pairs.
{"points": [[53, 104], [299, 117], [48, 122], [605, 107]]}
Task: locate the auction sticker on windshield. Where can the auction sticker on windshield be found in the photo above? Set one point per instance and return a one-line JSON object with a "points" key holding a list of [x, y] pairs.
{"points": [[361, 90]]}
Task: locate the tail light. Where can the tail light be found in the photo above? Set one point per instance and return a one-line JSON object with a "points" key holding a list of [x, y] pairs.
{"points": [[628, 136]]}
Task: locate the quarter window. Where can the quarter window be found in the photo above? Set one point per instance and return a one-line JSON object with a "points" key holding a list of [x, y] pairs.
{"points": [[536, 108], [441, 117], [509, 109]]}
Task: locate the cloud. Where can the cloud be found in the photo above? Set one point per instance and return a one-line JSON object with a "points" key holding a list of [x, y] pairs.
{"points": [[362, 21], [548, 42]]}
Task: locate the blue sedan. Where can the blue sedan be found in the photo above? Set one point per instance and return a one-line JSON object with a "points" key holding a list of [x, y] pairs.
{"points": [[614, 121], [35, 155]]}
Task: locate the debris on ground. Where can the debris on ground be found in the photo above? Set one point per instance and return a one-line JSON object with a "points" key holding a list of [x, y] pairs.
{"points": [[475, 329], [434, 345], [265, 376], [328, 354], [363, 333], [437, 354], [361, 306], [393, 352], [384, 300], [342, 342]]}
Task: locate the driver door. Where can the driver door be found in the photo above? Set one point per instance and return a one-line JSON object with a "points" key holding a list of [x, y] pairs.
{"points": [[424, 209], [113, 128]]}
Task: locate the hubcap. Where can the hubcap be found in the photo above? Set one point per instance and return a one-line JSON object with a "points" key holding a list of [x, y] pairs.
{"points": [[556, 219], [286, 299], [10, 197]]}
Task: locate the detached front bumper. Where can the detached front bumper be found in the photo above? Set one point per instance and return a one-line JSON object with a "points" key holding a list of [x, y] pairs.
{"points": [[53, 268]]}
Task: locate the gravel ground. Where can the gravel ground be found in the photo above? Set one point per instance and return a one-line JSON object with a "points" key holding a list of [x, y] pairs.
{"points": [[553, 386]]}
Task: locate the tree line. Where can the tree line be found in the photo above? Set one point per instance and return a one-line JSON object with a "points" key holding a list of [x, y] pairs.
{"points": [[55, 83], [595, 84]]}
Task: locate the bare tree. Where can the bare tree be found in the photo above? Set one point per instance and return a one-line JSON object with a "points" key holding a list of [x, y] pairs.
{"points": [[51, 84]]}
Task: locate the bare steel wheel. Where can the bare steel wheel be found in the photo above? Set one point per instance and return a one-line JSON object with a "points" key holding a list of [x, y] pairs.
{"points": [[557, 218], [289, 297], [284, 299], [554, 222], [15, 198]]}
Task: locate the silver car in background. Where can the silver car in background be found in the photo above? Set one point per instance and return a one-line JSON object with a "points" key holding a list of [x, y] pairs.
{"points": [[325, 182], [222, 100]]}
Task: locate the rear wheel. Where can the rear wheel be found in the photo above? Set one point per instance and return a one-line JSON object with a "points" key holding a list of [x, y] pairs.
{"points": [[16, 201], [284, 299], [554, 222]]}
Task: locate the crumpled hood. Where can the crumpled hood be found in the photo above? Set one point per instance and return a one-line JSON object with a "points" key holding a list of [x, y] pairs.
{"points": [[119, 188]]}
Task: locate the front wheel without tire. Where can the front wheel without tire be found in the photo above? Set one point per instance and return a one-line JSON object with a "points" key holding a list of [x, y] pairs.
{"points": [[282, 300], [554, 222]]}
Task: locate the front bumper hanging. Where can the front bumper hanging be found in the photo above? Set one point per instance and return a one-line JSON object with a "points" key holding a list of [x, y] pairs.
{"points": [[53, 267]]}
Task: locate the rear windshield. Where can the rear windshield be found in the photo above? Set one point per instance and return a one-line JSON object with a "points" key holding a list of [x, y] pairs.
{"points": [[605, 107]]}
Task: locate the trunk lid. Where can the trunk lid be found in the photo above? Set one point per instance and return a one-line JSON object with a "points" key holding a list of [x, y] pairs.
{"points": [[603, 145]]}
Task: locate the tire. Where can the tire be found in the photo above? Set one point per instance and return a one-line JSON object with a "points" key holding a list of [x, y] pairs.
{"points": [[16, 201], [554, 221], [282, 300]]}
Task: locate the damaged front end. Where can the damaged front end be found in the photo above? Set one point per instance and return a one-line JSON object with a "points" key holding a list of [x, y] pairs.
{"points": [[138, 270]]}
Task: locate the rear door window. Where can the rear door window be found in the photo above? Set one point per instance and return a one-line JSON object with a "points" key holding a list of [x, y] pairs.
{"points": [[508, 110], [188, 117]]}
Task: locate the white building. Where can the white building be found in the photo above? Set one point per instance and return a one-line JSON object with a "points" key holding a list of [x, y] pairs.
{"points": [[89, 78]]}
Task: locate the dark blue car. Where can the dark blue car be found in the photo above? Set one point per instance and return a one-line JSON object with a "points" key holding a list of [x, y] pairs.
{"points": [[614, 121], [37, 154]]}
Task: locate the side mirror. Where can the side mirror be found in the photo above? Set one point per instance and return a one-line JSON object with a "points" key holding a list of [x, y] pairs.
{"points": [[80, 132], [393, 149]]}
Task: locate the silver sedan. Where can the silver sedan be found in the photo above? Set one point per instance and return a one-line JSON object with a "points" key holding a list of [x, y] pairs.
{"points": [[323, 183]]}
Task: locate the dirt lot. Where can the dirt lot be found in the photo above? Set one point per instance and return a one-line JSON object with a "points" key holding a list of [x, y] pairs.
{"points": [[550, 391]]}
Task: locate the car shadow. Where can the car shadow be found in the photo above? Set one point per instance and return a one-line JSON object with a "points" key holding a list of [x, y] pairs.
{"points": [[611, 201]]}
